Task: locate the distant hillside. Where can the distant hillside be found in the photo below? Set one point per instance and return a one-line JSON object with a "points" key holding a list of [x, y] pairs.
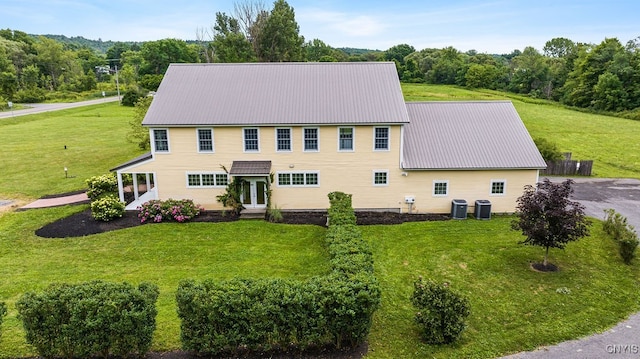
{"points": [[79, 42], [353, 51]]}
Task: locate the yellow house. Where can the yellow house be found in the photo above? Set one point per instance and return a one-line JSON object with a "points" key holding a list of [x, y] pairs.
{"points": [[306, 129]]}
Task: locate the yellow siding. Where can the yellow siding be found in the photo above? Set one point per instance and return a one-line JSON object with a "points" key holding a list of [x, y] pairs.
{"points": [[350, 172]]}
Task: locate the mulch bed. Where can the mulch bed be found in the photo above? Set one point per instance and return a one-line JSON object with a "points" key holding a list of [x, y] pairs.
{"points": [[82, 224]]}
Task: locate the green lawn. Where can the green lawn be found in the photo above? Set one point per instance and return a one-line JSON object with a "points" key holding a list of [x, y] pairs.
{"points": [[33, 154], [161, 253], [512, 307]]}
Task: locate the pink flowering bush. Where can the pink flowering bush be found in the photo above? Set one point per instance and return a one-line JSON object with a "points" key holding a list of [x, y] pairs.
{"points": [[170, 210]]}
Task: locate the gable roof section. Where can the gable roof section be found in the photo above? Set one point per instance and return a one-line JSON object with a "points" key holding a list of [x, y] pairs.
{"points": [[468, 135], [278, 94]]}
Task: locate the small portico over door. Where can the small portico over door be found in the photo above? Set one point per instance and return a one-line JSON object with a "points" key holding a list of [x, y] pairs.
{"points": [[255, 177]]}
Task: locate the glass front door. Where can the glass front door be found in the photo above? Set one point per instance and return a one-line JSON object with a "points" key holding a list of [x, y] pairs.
{"points": [[254, 193]]}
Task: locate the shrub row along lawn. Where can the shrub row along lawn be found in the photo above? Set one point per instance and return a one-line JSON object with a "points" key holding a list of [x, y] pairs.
{"points": [[512, 307], [163, 254]]}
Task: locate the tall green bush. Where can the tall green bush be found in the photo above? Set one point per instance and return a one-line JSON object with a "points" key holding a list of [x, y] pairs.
{"points": [[89, 319], [441, 311], [223, 318], [99, 186], [623, 233]]}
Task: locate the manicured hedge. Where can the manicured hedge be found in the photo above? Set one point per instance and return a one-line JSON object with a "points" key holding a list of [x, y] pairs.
{"points": [[273, 314], [90, 319]]}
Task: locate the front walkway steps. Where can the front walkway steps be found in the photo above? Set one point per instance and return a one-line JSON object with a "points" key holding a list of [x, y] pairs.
{"points": [[58, 201], [253, 213]]}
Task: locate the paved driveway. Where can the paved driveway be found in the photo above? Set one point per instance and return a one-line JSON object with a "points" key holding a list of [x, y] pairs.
{"points": [[598, 194], [623, 340]]}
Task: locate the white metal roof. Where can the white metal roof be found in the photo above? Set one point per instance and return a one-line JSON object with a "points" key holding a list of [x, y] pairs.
{"points": [[468, 135], [277, 94]]}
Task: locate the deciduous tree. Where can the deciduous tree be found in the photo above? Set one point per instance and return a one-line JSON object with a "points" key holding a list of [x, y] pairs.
{"points": [[548, 218]]}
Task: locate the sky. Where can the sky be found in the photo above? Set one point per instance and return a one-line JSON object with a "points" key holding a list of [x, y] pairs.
{"points": [[494, 27]]}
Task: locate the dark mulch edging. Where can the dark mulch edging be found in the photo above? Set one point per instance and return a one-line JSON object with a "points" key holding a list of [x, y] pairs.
{"points": [[319, 353], [539, 267], [82, 224]]}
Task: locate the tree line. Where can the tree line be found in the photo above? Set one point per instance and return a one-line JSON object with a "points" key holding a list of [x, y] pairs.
{"points": [[599, 77]]}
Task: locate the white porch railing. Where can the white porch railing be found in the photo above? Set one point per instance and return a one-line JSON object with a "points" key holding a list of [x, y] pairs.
{"points": [[146, 197]]}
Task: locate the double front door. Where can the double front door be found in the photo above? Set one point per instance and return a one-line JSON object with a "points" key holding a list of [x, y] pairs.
{"points": [[254, 192]]}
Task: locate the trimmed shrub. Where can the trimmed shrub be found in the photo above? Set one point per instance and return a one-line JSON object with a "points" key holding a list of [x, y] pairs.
{"points": [[623, 233], [170, 210], [89, 319], [107, 208], [627, 246], [441, 312], [228, 318], [3, 312], [99, 186], [340, 210]]}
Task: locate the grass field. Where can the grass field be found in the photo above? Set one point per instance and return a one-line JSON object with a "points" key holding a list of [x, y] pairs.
{"points": [[512, 308], [613, 143], [161, 253], [33, 154]]}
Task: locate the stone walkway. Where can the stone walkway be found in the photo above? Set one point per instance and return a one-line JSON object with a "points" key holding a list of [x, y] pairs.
{"points": [[58, 201]]}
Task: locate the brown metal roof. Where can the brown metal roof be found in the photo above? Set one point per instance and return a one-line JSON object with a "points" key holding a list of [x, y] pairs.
{"points": [[278, 93], [250, 168], [139, 159], [468, 135]]}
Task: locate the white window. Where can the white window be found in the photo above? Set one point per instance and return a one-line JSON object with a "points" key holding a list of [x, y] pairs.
{"points": [[381, 138], [298, 179], [205, 140], [160, 140], [251, 137], [283, 139], [345, 138], [207, 179], [440, 188], [310, 139], [380, 178], [498, 187]]}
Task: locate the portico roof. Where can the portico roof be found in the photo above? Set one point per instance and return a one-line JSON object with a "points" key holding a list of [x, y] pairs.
{"points": [[250, 168]]}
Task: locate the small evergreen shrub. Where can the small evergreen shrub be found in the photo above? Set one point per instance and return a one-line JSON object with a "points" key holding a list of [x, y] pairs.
{"points": [[99, 186], [441, 312], [169, 210], [3, 312], [90, 319], [107, 208], [628, 245], [623, 233]]}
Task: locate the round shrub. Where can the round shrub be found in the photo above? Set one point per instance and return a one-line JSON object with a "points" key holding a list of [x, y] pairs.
{"points": [[131, 97], [107, 208], [441, 312], [99, 186]]}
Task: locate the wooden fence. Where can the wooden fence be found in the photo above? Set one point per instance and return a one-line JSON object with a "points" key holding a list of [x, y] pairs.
{"points": [[568, 168]]}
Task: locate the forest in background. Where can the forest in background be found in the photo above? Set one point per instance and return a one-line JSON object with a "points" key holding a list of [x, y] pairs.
{"points": [[602, 77]]}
